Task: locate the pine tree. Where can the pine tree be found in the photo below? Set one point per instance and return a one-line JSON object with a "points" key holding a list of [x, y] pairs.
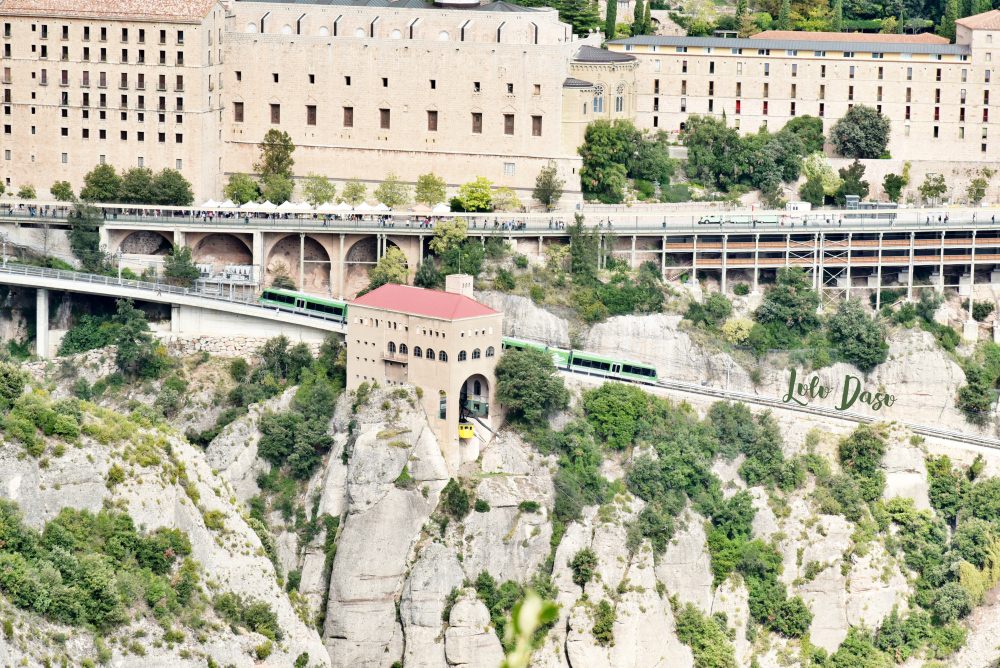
{"points": [[583, 15], [980, 6], [785, 16], [947, 26], [837, 19], [647, 22], [901, 23], [637, 14], [610, 19]]}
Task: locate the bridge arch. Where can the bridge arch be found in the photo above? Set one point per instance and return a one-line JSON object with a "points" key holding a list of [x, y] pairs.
{"points": [[303, 259], [220, 249], [358, 259], [144, 242]]}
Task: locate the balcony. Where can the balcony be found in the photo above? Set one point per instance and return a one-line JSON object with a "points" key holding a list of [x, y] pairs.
{"points": [[399, 358]]}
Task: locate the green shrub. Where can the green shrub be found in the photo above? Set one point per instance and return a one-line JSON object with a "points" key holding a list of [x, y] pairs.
{"points": [[537, 294], [254, 615], [709, 642], [455, 500], [583, 564], [263, 650], [861, 456], [302, 660], [481, 506], [604, 624], [404, 480], [504, 280], [741, 289], [521, 261], [116, 476], [529, 506]]}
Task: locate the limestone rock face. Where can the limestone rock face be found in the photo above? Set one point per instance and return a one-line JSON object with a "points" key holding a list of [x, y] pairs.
{"points": [[434, 575], [470, 641], [523, 319], [685, 566], [508, 542], [381, 527]]}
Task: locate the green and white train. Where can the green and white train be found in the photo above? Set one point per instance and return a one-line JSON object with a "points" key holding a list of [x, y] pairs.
{"points": [[570, 360]]}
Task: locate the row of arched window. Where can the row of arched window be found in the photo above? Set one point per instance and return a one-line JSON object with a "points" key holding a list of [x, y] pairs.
{"points": [[429, 353]]}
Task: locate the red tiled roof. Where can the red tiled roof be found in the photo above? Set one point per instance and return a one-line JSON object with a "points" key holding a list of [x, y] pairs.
{"points": [[921, 38], [150, 10], [986, 21], [419, 301]]}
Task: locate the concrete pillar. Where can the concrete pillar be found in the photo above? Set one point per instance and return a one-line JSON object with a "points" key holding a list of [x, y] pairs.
{"points": [[820, 253], [104, 239], [175, 319], [663, 257], [633, 252], [179, 238], [940, 282], [343, 267], [725, 259], [909, 274], [756, 263], [42, 323], [878, 281], [302, 261], [850, 244], [972, 284], [258, 259], [693, 280], [421, 251]]}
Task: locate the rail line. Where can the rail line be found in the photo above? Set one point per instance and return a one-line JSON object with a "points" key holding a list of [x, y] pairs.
{"points": [[772, 402]]}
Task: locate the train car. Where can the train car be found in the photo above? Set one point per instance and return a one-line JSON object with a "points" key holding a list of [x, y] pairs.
{"points": [[330, 309], [560, 357], [611, 367]]}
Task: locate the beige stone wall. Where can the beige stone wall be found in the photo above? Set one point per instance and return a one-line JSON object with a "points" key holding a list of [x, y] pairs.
{"points": [[369, 333], [414, 64], [47, 122], [674, 83]]}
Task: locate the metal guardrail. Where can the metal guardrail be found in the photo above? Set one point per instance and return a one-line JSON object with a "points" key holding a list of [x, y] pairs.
{"points": [[772, 402], [158, 289]]}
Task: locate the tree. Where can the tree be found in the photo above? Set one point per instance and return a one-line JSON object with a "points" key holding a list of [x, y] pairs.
{"points": [[976, 190], [101, 184], [851, 182], [427, 276], [638, 27], [354, 192], [136, 186], [85, 236], [584, 251], [582, 15], [12, 383], [816, 166], [61, 190], [275, 155], [981, 6], [788, 310], [863, 132], [953, 601], [784, 16], [318, 189], [27, 191], [858, 338], [170, 188], [975, 398], [430, 190], [475, 195], [137, 352], [505, 199], [529, 386], [179, 268], [713, 151], [893, 185], [974, 540], [610, 20], [947, 26], [548, 186], [390, 269], [583, 564], [242, 188], [449, 234], [605, 148], [809, 129], [933, 188], [812, 192], [392, 192], [647, 21], [890, 26], [837, 16], [278, 189]]}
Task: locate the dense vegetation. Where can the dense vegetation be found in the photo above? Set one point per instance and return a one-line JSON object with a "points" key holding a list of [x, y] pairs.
{"points": [[614, 152], [96, 570], [138, 185]]}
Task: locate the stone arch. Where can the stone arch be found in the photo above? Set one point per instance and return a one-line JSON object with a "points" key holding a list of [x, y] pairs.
{"points": [[283, 259], [146, 242], [474, 398], [220, 249], [358, 259]]}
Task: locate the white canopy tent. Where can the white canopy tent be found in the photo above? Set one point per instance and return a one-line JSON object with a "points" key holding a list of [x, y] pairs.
{"points": [[247, 206], [268, 206], [343, 207], [380, 207], [228, 204], [364, 207], [441, 208], [209, 204]]}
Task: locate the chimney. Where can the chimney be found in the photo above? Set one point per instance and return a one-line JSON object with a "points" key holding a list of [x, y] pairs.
{"points": [[459, 284]]}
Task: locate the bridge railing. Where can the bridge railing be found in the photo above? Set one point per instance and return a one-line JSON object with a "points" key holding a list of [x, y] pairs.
{"points": [[160, 291]]}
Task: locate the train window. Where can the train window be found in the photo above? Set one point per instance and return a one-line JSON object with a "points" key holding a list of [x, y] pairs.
{"points": [[275, 297], [638, 370]]}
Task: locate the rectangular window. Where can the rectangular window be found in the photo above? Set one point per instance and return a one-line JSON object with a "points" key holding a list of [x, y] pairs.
{"points": [[348, 117], [385, 82], [795, 69], [238, 112], [536, 126], [384, 119], [965, 75], [909, 74], [738, 107], [508, 124], [961, 115], [822, 71], [684, 105], [764, 108], [937, 76], [711, 67], [684, 67], [432, 121], [878, 94], [822, 109], [881, 72], [850, 92], [477, 123], [791, 111], [909, 95], [739, 89], [767, 69], [851, 72], [310, 114], [508, 169], [275, 113], [434, 84], [906, 113], [936, 131], [937, 96]]}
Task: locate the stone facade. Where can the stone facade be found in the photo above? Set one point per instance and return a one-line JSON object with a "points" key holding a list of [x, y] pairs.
{"points": [[936, 95]]}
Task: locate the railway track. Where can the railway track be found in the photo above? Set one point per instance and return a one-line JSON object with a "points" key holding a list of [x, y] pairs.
{"points": [[772, 402]]}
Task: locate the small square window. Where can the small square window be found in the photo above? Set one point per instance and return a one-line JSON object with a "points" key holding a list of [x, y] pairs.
{"points": [[510, 89], [385, 82], [274, 76], [124, 135], [347, 80], [239, 75], [65, 158], [434, 84], [312, 78]]}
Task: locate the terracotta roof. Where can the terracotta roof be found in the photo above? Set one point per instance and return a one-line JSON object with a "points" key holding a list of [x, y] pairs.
{"points": [[154, 10], [921, 38], [419, 301], [986, 21]]}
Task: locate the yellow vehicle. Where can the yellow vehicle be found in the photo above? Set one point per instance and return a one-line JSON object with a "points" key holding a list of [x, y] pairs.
{"points": [[465, 430]]}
